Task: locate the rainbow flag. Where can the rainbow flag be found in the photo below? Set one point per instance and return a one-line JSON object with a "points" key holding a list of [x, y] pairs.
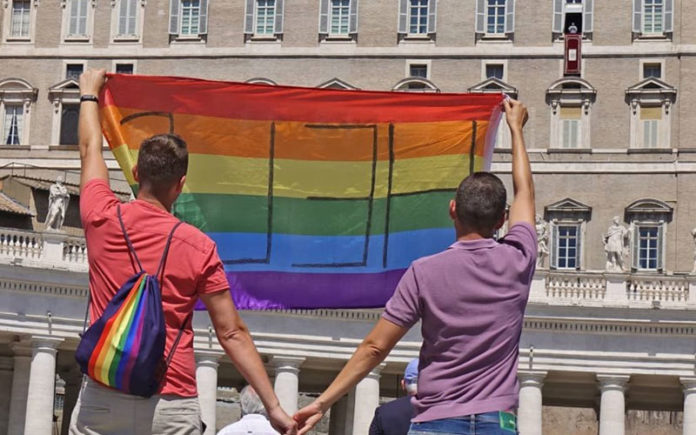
{"points": [[316, 198]]}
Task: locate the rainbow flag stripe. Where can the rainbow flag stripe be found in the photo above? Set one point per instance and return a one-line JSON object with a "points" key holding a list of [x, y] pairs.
{"points": [[315, 197], [113, 357]]}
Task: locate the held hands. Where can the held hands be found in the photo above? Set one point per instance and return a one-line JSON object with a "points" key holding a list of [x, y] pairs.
{"points": [[516, 114], [307, 417], [91, 81], [282, 422]]}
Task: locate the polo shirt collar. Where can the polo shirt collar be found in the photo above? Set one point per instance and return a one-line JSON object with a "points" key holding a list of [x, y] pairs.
{"points": [[471, 245]]}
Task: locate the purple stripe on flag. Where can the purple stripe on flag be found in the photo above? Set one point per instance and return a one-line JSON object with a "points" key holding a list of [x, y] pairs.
{"points": [[286, 290]]}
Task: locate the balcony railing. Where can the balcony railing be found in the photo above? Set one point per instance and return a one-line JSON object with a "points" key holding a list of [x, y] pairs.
{"points": [[43, 250]]}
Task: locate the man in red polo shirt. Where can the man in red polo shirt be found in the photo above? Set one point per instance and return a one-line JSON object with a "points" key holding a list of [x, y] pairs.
{"points": [[193, 270]]}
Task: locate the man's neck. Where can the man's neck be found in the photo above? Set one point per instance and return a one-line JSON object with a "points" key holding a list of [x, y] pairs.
{"points": [[148, 197], [469, 237]]}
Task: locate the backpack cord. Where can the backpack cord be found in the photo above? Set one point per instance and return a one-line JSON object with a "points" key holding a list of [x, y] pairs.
{"points": [[128, 242]]}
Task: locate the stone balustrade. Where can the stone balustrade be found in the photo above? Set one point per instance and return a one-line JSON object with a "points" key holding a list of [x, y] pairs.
{"points": [[50, 249], [20, 244]]}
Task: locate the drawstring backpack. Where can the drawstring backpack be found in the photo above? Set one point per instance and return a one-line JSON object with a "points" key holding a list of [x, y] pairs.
{"points": [[124, 348]]}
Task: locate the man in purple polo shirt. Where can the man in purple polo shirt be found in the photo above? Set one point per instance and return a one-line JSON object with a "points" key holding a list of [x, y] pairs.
{"points": [[471, 300]]}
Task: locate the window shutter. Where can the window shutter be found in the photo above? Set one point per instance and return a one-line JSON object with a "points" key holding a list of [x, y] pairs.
{"points": [[578, 247], [123, 17], [203, 17], [660, 246], [432, 15], [324, 16], [668, 16], [588, 15], [553, 247], [174, 17], [510, 16], [249, 17], [403, 16], [279, 17], [353, 24], [481, 16], [637, 15], [557, 16], [635, 240]]}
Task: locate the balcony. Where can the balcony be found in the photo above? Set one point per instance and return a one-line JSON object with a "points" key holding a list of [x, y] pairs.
{"points": [[46, 250]]}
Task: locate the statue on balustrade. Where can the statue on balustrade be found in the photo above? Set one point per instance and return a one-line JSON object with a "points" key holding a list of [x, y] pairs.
{"points": [[542, 230], [58, 198], [617, 242]]}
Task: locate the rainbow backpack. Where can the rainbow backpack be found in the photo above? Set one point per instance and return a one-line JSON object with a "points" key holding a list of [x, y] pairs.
{"points": [[124, 348]]}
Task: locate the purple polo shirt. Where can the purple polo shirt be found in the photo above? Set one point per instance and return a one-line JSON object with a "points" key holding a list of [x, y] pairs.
{"points": [[471, 299]]}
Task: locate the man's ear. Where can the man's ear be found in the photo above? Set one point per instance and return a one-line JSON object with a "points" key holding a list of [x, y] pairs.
{"points": [[180, 184], [500, 223], [453, 210], [134, 171]]}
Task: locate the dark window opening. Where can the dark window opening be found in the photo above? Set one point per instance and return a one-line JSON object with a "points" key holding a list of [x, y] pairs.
{"points": [[573, 23], [73, 71], [417, 70], [495, 71], [124, 68], [652, 70], [68, 124]]}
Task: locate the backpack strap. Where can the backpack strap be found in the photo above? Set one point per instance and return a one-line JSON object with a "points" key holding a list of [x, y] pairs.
{"points": [[160, 268], [168, 360], [125, 234]]}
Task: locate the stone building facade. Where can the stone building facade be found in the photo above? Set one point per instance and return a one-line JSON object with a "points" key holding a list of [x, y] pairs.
{"points": [[614, 141]]}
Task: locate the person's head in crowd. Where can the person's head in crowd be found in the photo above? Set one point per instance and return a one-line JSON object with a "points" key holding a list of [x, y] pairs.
{"points": [[251, 402], [479, 205], [161, 168], [410, 380]]}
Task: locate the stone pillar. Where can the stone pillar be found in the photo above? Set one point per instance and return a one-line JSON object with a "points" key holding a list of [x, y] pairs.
{"points": [[342, 412], [691, 301], [287, 381], [72, 376], [5, 386], [538, 289], [207, 383], [689, 386], [42, 377], [20, 387], [530, 407], [53, 246], [612, 408], [616, 289], [366, 401]]}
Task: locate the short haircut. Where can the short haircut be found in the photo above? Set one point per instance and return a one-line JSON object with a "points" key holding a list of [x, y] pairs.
{"points": [[480, 202], [162, 161], [251, 402]]}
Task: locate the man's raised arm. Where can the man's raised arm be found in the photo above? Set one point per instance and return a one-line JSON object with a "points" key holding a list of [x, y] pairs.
{"points": [[522, 208], [89, 130]]}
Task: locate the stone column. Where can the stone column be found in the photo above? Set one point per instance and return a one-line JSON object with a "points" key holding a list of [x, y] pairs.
{"points": [[20, 387], [42, 377], [5, 386], [72, 376], [287, 381], [612, 408], [341, 419], [366, 401], [207, 383], [689, 386], [530, 407], [616, 289]]}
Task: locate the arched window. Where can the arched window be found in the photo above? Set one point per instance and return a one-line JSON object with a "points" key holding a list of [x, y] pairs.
{"points": [[16, 98]]}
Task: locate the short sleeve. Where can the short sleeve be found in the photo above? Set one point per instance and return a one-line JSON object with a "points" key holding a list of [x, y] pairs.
{"points": [[522, 236], [403, 309], [212, 278], [96, 198]]}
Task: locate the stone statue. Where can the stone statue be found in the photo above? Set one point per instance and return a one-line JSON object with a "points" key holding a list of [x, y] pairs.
{"points": [[617, 241], [58, 198], [542, 241], [693, 236]]}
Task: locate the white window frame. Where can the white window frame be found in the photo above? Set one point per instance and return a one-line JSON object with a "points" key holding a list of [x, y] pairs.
{"points": [[555, 247], [638, 20], [561, 8], [409, 17], [347, 17], [485, 63], [581, 96], [256, 18], [7, 36], [645, 14], [325, 18], [133, 62], [62, 93], [661, 227], [66, 62], [427, 63], [641, 96], [481, 20], [176, 17], [89, 22], [116, 36], [17, 92], [660, 61]]}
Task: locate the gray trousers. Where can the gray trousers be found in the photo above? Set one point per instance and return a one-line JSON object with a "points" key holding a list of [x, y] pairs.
{"points": [[101, 410]]}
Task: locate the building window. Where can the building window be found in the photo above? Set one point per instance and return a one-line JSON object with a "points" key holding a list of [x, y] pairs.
{"points": [[65, 97], [653, 18], [21, 19], [73, 71], [495, 70], [124, 68], [650, 119], [127, 18], [571, 101], [570, 17], [188, 19], [70, 113], [418, 17], [495, 85], [340, 17], [77, 21], [648, 249], [648, 222], [495, 18], [652, 70], [566, 246], [13, 124], [265, 17], [418, 70]]}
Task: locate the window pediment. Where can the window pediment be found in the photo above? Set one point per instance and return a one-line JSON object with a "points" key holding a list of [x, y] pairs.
{"points": [[571, 91], [17, 89], [336, 83], [652, 90], [493, 85], [649, 206], [568, 209], [67, 89], [415, 84], [261, 81]]}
